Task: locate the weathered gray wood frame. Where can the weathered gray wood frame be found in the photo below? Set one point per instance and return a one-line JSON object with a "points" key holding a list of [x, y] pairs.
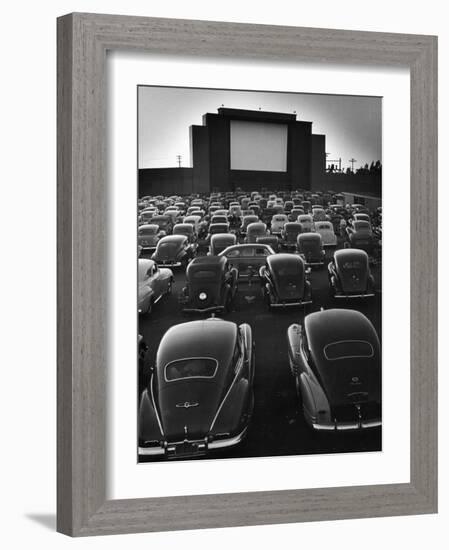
{"points": [[83, 40]]}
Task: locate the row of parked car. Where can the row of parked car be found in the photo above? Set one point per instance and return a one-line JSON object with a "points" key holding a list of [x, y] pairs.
{"points": [[212, 281], [200, 394], [210, 218]]}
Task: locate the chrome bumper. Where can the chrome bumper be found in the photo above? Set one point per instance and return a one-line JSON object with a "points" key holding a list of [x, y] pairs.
{"points": [[291, 304], [211, 446], [347, 296], [169, 264], [346, 426], [204, 310]]}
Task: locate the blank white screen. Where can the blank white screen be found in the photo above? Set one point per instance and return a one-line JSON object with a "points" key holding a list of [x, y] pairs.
{"points": [[258, 146]]}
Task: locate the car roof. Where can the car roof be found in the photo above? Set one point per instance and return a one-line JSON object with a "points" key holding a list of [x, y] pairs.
{"points": [[336, 325], [346, 254], [207, 261], [172, 239], [276, 260], [310, 237]]}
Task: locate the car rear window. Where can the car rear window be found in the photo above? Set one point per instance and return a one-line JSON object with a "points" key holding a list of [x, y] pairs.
{"points": [[204, 274], [148, 230], [193, 367], [348, 349]]}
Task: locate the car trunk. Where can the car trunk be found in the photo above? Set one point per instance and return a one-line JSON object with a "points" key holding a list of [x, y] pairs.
{"points": [[187, 409]]}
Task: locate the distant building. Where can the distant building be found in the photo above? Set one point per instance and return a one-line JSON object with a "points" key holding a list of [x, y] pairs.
{"points": [[251, 150]]}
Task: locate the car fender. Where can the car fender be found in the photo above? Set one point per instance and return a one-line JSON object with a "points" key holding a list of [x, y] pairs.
{"points": [[233, 409], [149, 428], [314, 401], [249, 344]]}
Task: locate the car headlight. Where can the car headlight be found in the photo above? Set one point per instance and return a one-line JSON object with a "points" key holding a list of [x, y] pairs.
{"points": [[202, 296]]}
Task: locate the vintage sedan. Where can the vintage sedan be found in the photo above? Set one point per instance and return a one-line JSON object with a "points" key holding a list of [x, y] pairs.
{"points": [[360, 235], [200, 396], [290, 234], [277, 223], [310, 248], [294, 213], [220, 241], [148, 235], [284, 281], [211, 285], [254, 231], [306, 221], [165, 223], [252, 218], [247, 258], [153, 283], [174, 251], [319, 214], [336, 362], [349, 274], [326, 230]]}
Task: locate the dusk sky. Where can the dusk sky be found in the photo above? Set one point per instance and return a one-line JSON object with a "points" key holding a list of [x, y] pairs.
{"points": [[352, 124]]}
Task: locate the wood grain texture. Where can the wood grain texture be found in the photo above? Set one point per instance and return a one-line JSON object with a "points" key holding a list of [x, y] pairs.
{"points": [[83, 40]]}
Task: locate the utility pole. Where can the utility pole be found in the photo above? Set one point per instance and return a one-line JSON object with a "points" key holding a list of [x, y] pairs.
{"points": [[352, 160], [178, 157]]}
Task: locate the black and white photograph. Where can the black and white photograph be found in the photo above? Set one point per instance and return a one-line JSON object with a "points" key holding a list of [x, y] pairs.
{"points": [[259, 251]]}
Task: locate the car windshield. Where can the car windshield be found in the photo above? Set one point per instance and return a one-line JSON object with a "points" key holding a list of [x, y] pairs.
{"points": [[193, 367], [348, 349]]}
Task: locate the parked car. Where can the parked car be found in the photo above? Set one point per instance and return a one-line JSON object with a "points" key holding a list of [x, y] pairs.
{"points": [[246, 221], [174, 251], [326, 230], [361, 216], [219, 219], [336, 362], [220, 241], [254, 231], [290, 234], [148, 236], [318, 214], [310, 248], [284, 281], [306, 221], [247, 258], [211, 284], [153, 283], [360, 235], [216, 228], [294, 213], [193, 220], [164, 222], [200, 396], [277, 223], [349, 274], [188, 230]]}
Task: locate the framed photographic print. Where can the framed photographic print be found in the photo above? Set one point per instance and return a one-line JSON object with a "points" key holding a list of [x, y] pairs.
{"points": [[236, 328]]}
